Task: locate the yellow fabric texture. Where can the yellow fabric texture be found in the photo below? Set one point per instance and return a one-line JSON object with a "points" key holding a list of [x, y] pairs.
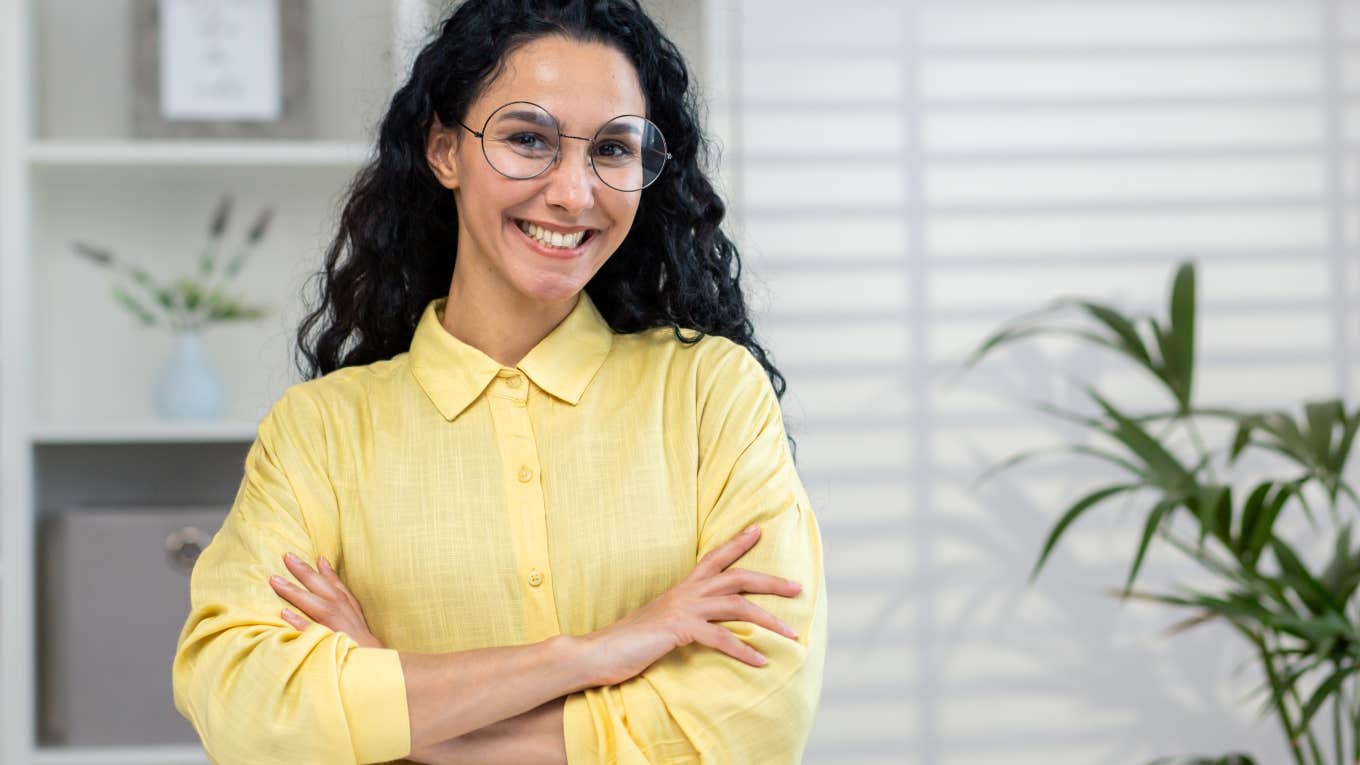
{"points": [[467, 504]]}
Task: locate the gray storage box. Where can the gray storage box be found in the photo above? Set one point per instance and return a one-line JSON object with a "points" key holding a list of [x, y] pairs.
{"points": [[113, 597]]}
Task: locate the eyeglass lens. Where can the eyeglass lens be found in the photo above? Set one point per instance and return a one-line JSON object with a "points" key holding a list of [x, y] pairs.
{"points": [[521, 139]]}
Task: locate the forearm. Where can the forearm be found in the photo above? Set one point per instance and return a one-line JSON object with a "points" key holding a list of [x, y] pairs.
{"points": [[452, 694], [532, 738]]}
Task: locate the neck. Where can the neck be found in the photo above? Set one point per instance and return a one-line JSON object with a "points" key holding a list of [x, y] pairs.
{"points": [[501, 323]]}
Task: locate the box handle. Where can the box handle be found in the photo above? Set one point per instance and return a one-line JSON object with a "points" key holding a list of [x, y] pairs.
{"points": [[183, 546]]}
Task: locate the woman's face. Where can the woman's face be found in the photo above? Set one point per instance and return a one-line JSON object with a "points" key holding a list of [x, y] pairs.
{"points": [[582, 85]]}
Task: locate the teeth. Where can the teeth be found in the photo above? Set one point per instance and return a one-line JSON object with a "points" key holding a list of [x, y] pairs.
{"points": [[551, 238]]}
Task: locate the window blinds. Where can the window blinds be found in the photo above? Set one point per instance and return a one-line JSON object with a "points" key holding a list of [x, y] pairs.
{"points": [[906, 175]]}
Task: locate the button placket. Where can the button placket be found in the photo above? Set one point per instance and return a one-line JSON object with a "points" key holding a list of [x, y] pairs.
{"points": [[526, 501]]}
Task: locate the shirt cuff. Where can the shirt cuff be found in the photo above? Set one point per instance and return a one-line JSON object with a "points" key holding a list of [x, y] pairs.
{"points": [[373, 691]]}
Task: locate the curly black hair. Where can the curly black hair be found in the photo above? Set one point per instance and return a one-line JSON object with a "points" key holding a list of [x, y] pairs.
{"points": [[398, 230]]}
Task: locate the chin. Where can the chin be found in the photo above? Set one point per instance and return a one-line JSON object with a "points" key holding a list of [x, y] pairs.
{"points": [[552, 288]]}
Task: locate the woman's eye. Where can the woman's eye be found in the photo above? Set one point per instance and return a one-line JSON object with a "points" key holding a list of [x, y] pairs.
{"points": [[615, 150], [525, 140]]}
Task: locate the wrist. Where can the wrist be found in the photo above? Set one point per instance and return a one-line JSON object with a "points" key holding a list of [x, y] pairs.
{"points": [[574, 654]]}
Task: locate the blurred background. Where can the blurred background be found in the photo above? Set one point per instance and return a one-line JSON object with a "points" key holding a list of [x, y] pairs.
{"points": [[904, 177]]}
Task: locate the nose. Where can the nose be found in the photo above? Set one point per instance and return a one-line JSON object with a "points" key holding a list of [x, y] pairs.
{"points": [[571, 184]]}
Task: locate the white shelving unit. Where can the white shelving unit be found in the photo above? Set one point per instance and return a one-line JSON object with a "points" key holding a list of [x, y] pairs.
{"points": [[67, 153], [77, 422], [75, 402]]}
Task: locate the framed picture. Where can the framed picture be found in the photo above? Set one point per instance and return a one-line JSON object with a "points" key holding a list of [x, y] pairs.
{"points": [[221, 69]]}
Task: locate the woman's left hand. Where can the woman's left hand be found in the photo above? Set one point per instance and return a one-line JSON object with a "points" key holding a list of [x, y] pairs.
{"points": [[324, 598]]}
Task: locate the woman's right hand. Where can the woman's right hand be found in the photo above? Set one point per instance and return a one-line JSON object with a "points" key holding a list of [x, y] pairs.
{"points": [[684, 614]]}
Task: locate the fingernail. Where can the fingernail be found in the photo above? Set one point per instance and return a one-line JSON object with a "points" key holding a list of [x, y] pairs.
{"points": [[276, 580], [324, 563], [761, 660], [750, 529], [288, 614], [291, 557], [791, 632]]}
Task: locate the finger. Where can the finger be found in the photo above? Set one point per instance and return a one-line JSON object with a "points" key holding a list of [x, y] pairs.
{"points": [[297, 622], [726, 553], [739, 608], [310, 604], [309, 578], [329, 572], [723, 640], [737, 580]]}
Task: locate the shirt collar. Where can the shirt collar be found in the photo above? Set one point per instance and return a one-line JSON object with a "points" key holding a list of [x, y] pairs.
{"points": [[453, 374]]}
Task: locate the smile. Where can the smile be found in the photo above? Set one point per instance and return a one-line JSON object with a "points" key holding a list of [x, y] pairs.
{"points": [[554, 243]]}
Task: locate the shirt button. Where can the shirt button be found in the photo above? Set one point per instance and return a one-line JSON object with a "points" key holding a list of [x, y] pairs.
{"points": [[535, 577], [513, 382], [525, 474]]}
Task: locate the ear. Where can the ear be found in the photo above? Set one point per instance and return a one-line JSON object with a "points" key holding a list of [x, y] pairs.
{"points": [[441, 148]]}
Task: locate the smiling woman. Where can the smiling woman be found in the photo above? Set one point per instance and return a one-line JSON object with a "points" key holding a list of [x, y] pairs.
{"points": [[535, 427]]}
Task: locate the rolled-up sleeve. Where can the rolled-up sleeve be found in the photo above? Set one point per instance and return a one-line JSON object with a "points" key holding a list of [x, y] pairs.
{"points": [[697, 704], [257, 690]]}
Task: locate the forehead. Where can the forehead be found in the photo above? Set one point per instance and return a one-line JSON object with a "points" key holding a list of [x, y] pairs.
{"points": [[582, 84]]}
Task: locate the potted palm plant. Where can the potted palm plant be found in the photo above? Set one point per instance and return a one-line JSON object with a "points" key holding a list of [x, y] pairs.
{"points": [[1299, 619]]}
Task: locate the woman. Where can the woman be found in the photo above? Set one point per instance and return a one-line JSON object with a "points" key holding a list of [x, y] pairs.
{"points": [[535, 425]]}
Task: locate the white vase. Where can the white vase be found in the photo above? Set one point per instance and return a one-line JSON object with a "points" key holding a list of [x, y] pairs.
{"points": [[189, 387]]}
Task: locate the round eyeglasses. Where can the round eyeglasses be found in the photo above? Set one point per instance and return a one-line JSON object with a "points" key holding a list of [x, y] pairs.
{"points": [[521, 140]]}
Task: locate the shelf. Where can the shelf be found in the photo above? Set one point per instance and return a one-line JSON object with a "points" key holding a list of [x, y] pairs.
{"points": [[121, 755], [185, 152], [145, 432]]}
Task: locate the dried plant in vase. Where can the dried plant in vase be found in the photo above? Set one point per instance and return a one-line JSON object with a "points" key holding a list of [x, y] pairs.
{"points": [[188, 388], [189, 302]]}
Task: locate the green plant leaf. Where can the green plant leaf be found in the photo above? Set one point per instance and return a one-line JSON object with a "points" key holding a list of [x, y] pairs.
{"points": [[1318, 630], [1313, 593], [1074, 449], [1341, 454], [1235, 607], [131, 304], [1179, 350], [1322, 418], [1245, 425], [1212, 507], [1009, 335], [1130, 344], [1324, 691], [1261, 528], [1072, 513], [192, 293], [1154, 522], [1342, 575], [1251, 512], [1163, 467], [1252, 582]]}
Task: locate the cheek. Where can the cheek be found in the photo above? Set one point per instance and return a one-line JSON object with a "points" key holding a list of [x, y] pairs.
{"points": [[624, 216]]}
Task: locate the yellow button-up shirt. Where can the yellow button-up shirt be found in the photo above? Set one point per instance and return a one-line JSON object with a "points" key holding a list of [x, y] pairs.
{"points": [[467, 504]]}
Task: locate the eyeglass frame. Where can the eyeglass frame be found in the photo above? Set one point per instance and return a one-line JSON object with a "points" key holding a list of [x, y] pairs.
{"points": [[557, 152]]}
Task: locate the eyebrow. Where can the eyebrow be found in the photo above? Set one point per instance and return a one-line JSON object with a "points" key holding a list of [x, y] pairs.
{"points": [[623, 128], [538, 118], [531, 115]]}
